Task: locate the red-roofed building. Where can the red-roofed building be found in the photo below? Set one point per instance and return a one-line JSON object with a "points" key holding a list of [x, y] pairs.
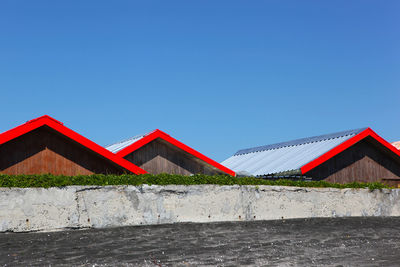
{"points": [[45, 145], [157, 152], [358, 155]]}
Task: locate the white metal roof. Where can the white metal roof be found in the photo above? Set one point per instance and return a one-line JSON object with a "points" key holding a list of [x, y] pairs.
{"points": [[125, 143], [287, 156]]}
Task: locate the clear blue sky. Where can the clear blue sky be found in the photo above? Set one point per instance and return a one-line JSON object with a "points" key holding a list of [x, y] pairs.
{"points": [[217, 75]]}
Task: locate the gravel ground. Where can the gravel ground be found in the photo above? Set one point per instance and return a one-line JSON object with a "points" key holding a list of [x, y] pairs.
{"points": [[362, 241]]}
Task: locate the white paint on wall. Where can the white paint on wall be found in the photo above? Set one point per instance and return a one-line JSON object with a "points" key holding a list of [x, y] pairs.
{"points": [[38, 209]]}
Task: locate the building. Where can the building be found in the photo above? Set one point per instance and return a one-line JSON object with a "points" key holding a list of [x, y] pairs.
{"points": [[157, 152], [356, 155], [45, 145]]}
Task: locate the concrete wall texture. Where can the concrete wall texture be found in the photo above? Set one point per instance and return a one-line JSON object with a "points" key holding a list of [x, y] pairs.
{"points": [[39, 209]]}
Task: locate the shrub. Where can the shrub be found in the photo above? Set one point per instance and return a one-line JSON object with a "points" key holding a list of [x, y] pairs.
{"points": [[48, 180]]}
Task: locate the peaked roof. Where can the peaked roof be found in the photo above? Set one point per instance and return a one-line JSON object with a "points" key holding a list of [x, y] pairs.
{"points": [[127, 146], [298, 156], [59, 127]]}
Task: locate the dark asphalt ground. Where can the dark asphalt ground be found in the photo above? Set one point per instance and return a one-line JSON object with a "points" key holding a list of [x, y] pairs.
{"points": [[304, 242]]}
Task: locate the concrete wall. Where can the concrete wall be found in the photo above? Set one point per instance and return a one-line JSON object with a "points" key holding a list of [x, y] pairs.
{"points": [[38, 209]]}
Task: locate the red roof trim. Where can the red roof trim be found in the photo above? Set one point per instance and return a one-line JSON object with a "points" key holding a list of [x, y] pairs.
{"points": [[45, 117], [59, 127], [346, 144], [160, 134]]}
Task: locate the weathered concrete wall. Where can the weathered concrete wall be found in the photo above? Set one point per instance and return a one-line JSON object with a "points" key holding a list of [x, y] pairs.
{"points": [[33, 209]]}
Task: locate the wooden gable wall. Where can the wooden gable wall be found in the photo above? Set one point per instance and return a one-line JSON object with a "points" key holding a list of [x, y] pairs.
{"points": [[46, 151], [366, 161], [159, 156]]}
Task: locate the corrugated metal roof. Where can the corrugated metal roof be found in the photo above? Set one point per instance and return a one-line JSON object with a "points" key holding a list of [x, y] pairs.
{"points": [[125, 143], [286, 156]]}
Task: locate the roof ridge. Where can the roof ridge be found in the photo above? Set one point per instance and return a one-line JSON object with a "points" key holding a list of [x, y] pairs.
{"points": [[44, 117], [300, 141]]}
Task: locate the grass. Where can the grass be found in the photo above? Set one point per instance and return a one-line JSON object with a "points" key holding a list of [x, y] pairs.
{"points": [[48, 180]]}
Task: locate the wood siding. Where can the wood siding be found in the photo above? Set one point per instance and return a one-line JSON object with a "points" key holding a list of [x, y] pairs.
{"points": [[366, 161], [46, 151], [160, 156], [392, 182]]}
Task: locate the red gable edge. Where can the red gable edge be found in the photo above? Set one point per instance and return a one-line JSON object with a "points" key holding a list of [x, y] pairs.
{"points": [[346, 144], [160, 134], [59, 127]]}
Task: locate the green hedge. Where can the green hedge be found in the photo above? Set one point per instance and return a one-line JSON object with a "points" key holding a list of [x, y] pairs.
{"points": [[48, 180]]}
